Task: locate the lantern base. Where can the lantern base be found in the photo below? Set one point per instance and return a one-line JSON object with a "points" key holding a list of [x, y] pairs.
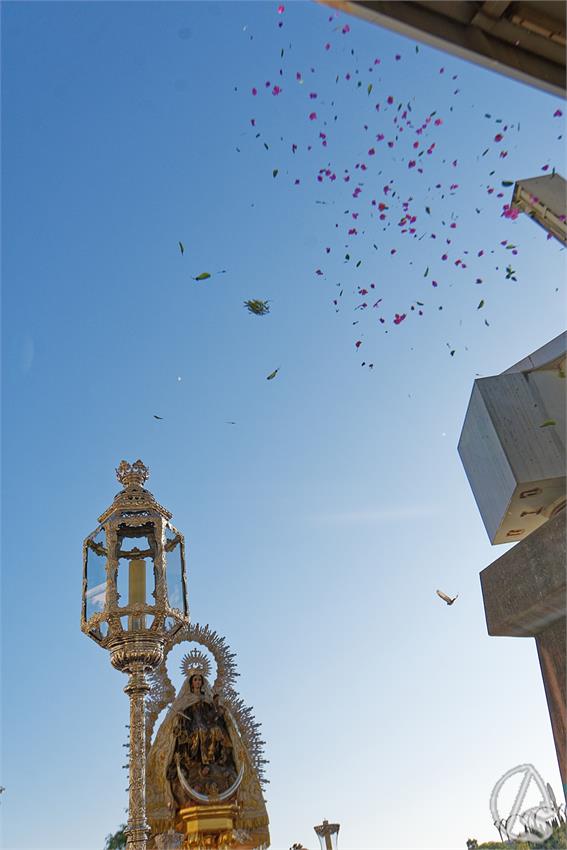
{"points": [[209, 826]]}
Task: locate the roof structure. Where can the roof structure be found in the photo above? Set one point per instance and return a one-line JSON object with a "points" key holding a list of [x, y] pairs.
{"points": [[523, 40]]}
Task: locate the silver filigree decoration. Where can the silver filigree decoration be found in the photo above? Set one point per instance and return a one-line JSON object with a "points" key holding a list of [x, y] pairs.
{"points": [[196, 662], [162, 692]]}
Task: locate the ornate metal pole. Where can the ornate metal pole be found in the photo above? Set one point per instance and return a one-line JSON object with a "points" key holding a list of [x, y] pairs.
{"points": [[134, 602], [138, 829]]}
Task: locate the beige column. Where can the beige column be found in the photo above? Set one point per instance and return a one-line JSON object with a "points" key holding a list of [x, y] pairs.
{"points": [[524, 596]]}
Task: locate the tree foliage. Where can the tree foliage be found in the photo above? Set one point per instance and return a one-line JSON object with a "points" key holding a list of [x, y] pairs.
{"points": [[116, 841], [556, 841]]}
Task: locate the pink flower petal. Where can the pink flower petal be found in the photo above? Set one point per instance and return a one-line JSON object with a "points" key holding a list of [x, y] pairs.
{"points": [[312, 116]]}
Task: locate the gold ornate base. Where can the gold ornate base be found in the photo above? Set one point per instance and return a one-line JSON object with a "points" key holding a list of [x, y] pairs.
{"points": [[209, 826]]}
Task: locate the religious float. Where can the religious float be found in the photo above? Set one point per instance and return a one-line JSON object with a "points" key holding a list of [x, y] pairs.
{"points": [[205, 767]]}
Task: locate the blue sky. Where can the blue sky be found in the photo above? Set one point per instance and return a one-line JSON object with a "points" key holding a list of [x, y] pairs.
{"points": [[320, 525]]}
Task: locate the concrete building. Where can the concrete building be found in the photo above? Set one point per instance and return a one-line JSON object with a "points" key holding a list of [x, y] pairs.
{"points": [[512, 447], [544, 199]]}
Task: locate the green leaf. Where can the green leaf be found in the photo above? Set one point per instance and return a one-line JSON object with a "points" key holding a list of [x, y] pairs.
{"points": [[426, 272], [547, 423], [257, 306], [358, 264], [181, 248], [480, 305], [369, 87], [507, 182], [202, 276], [272, 375], [427, 210], [275, 172]]}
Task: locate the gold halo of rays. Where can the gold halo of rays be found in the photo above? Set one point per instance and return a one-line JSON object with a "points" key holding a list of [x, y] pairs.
{"points": [[196, 662]]}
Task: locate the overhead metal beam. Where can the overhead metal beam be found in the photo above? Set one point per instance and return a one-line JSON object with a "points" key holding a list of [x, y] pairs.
{"points": [[510, 38]]}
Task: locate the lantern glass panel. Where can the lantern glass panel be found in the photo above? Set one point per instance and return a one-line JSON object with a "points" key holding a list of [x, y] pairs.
{"points": [[176, 594], [95, 596], [135, 580]]}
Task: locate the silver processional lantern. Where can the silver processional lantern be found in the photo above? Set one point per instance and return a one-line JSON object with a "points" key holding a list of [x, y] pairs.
{"points": [[134, 602], [328, 835]]}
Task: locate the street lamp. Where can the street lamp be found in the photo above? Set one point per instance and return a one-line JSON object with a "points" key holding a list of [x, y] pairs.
{"points": [[134, 602], [328, 835]]}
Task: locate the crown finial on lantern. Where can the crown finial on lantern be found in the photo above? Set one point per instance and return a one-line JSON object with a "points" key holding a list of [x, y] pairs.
{"points": [[132, 473]]}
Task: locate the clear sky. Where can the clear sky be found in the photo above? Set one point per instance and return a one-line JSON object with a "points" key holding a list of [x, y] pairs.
{"points": [[320, 524]]}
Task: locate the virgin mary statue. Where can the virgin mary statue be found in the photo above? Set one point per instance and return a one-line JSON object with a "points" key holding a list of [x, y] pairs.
{"points": [[199, 761]]}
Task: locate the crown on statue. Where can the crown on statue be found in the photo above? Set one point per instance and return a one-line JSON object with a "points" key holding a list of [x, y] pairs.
{"points": [[132, 473], [196, 662]]}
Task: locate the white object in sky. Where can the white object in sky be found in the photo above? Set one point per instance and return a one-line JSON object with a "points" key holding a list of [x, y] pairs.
{"points": [[545, 200]]}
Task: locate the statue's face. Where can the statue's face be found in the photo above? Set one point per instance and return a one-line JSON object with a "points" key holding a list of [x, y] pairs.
{"points": [[196, 684]]}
